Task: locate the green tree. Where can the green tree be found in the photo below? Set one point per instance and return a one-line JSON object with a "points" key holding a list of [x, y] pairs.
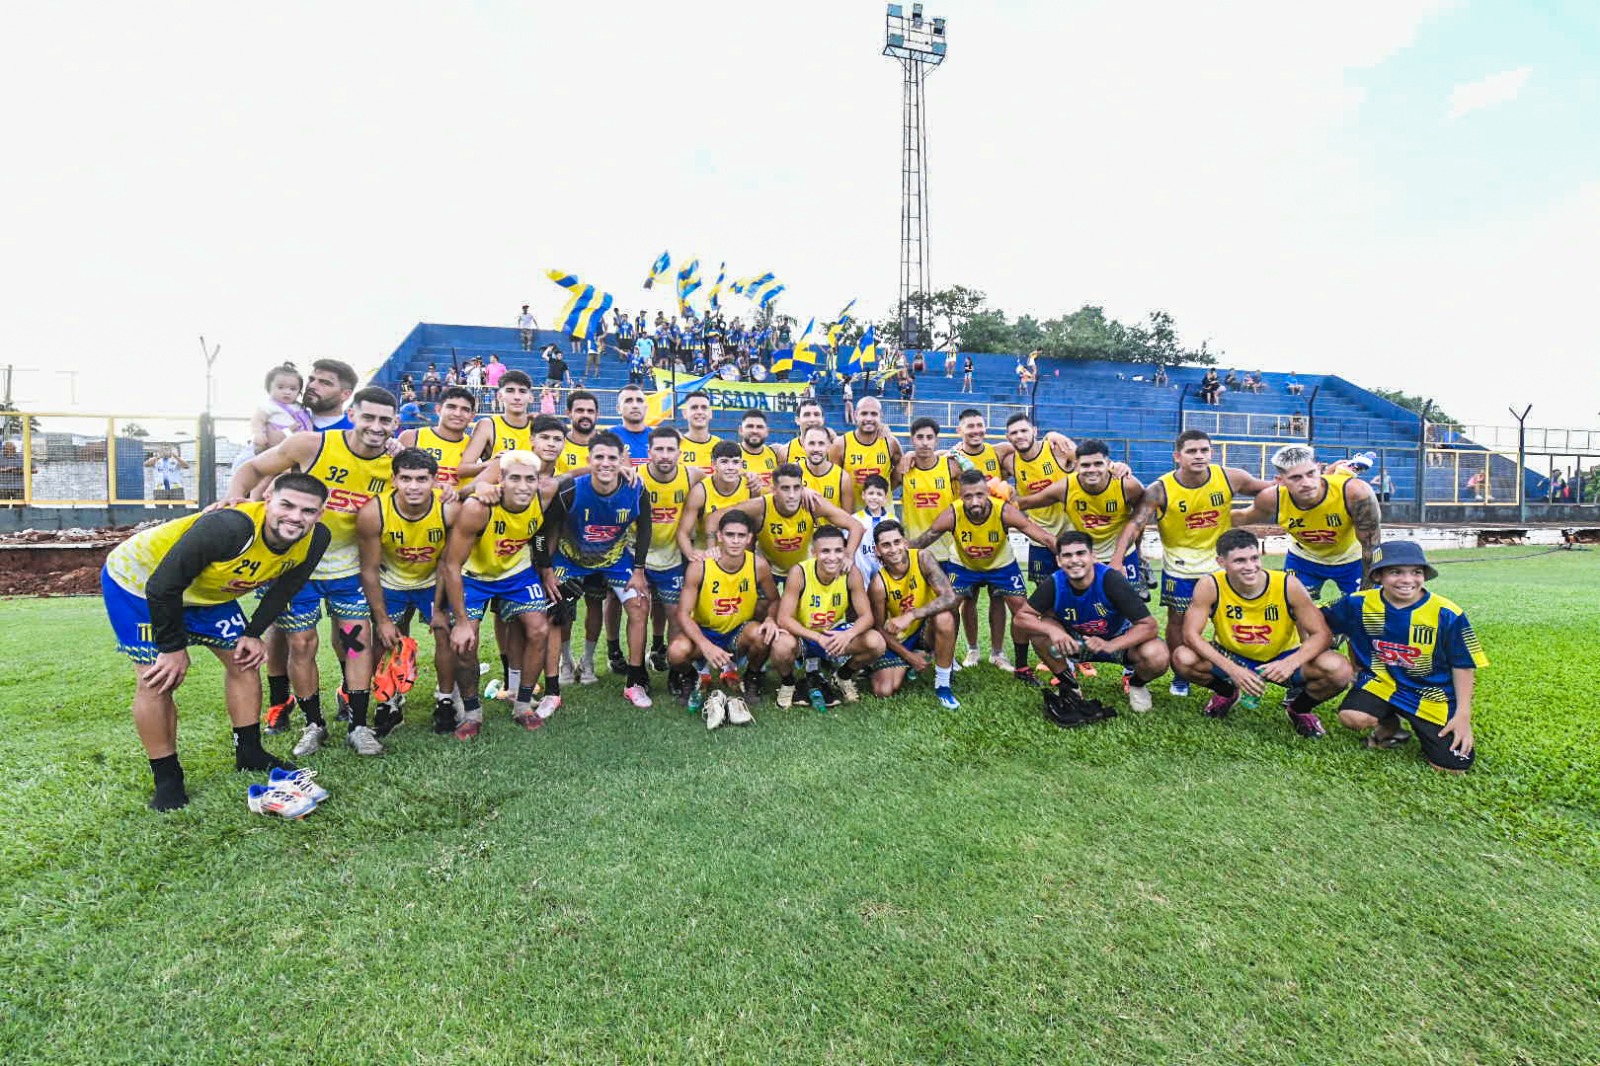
{"points": [[1422, 405], [11, 422]]}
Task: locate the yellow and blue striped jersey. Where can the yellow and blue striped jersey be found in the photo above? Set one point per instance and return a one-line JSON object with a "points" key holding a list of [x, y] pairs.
{"points": [[1406, 654]]}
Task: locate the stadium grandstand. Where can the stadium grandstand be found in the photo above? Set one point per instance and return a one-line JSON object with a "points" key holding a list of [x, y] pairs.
{"points": [[1119, 403]]}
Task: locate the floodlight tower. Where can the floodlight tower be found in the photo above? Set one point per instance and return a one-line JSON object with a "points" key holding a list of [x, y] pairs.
{"points": [[919, 44]]}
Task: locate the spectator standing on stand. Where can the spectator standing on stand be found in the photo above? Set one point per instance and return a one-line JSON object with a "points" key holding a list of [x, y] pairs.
{"points": [[966, 373], [556, 372], [849, 402], [527, 324], [494, 372]]}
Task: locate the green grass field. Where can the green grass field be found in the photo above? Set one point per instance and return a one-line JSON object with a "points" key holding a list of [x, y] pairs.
{"points": [[886, 883]]}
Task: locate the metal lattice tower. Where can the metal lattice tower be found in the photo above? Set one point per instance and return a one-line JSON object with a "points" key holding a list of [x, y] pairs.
{"points": [[918, 44]]}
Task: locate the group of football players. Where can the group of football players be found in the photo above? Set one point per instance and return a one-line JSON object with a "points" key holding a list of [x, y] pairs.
{"points": [[834, 559]]}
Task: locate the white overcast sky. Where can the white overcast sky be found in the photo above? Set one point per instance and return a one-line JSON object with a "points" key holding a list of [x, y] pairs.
{"points": [[1406, 192]]}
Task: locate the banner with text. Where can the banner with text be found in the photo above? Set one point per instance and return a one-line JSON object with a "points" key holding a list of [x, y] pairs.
{"points": [[770, 396]]}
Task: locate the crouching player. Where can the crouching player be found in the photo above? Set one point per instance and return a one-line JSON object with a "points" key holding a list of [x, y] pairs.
{"points": [[915, 606], [401, 535], [1088, 612], [1417, 655], [1266, 630], [178, 584], [721, 596], [487, 563], [818, 599]]}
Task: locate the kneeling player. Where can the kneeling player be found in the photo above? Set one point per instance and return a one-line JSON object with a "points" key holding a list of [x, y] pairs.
{"points": [[1418, 655], [178, 584], [722, 594], [1266, 630], [1088, 612], [916, 611], [818, 599], [487, 564]]}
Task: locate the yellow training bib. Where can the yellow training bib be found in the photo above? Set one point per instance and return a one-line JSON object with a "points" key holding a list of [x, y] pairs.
{"points": [[1323, 532], [131, 563], [448, 452], [412, 548], [1259, 629], [902, 594], [352, 481], [1101, 514], [666, 507], [981, 545], [727, 599], [785, 540], [924, 495], [1036, 475], [1192, 521], [502, 547], [822, 606]]}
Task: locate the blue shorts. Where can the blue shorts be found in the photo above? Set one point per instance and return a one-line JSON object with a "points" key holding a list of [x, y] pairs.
{"points": [[1042, 563], [219, 626], [1176, 592], [665, 585], [725, 641], [1002, 580], [1133, 568], [1346, 577], [890, 660], [1297, 681], [346, 601], [398, 601], [517, 594], [617, 575], [812, 650]]}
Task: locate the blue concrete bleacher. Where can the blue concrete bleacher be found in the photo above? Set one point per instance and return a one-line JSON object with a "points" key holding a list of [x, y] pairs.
{"points": [[1113, 401]]}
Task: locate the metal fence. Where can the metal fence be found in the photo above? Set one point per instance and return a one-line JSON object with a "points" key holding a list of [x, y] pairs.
{"points": [[70, 459]]}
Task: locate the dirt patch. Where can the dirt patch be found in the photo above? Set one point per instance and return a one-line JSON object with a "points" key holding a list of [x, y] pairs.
{"points": [[1490, 538], [64, 562]]}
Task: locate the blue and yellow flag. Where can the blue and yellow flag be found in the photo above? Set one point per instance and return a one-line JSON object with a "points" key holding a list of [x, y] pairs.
{"points": [[764, 293], [863, 356], [585, 310], [844, 318], [688, 282], [804, 353], [659, 271], [658, 405], [782, 360], [716, 289]]}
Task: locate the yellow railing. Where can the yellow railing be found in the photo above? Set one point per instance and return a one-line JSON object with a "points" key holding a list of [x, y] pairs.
{"points": [[92, 459]]}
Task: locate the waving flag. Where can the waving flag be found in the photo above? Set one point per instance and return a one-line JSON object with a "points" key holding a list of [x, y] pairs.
{"points": [[716, 290], [844, 318], [804, 353], [782, 360], [659, 271], [767, 289], [659, 404], [587, 307], [863, 357], [688, 282]]}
